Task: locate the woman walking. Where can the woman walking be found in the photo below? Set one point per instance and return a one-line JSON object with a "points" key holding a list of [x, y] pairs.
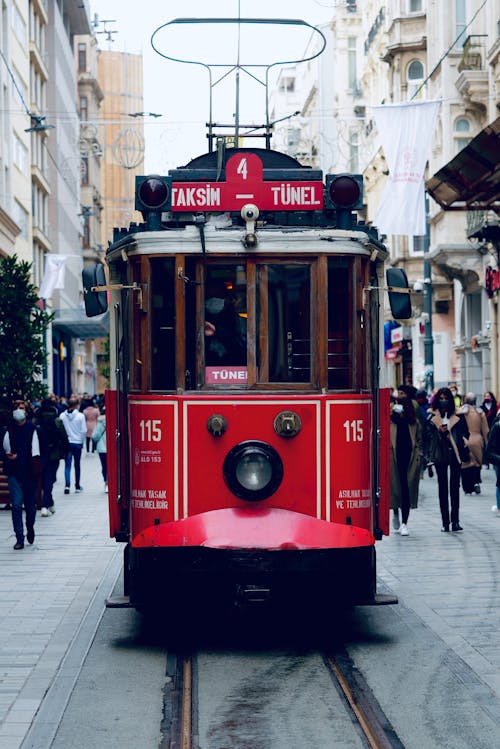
{"points": [[99, 440], [478, 428], [447, 451], [406, 454]]}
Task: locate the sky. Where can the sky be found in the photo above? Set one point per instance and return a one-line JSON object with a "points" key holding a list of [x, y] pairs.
{"points": [[180, 93]]}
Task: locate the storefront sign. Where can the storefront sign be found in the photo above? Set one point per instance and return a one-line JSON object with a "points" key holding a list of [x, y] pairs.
{"points": [[492, 280]]}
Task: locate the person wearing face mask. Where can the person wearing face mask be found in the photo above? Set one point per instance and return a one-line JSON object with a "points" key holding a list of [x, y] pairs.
{"points": [[76, 429], [21, 465], [406, 453], [225, 329], [448, 451]]}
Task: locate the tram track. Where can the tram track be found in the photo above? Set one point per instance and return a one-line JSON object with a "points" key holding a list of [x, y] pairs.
{"points": [[181, 703]]}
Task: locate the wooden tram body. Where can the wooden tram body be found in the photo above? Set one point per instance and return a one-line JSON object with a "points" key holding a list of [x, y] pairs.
{"points": [[247, 430]]}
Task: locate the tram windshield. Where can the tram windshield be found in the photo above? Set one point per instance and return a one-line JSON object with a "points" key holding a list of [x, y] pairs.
{"points": [[249, 323]]}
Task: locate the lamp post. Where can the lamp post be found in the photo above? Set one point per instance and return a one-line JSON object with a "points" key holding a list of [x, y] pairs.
{"points": [[428, 340]]}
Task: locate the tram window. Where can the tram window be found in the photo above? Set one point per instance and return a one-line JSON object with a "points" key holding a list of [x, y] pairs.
{"points": [[162, 275], [284, 322], [340, 325], [225, 319]]}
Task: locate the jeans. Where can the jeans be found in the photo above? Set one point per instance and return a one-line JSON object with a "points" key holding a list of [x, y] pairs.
{"points": [[48, 480], [442, 477], [497, 468], [75, 451], [22, 491], [104, 466]]}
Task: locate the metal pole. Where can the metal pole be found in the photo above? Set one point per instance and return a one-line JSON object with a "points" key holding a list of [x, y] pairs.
{"points": [[428, 340]]}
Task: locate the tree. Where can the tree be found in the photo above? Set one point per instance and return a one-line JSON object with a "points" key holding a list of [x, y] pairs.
{"points": [[23, 324]]}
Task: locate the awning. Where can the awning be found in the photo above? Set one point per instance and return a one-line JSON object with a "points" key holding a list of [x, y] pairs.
{"points": [[74, 323], [471, 180]]}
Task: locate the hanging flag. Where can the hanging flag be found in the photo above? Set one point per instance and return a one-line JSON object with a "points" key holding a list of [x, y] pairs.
{"points": [[54, 275], [405, 132]]}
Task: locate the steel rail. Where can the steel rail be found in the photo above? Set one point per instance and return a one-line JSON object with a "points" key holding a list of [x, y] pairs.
{"points": [[375, 725]]}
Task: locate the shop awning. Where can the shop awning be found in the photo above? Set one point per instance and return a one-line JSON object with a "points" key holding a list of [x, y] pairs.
{"points": [[74, 323], [471, 180]]}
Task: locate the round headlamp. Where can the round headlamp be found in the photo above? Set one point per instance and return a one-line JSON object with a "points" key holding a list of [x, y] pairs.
{"points": [[253, 470]]}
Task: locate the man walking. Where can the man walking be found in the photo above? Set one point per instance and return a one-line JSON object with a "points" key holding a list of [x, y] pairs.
{"points": [[22, 455], [76, 429], [54, 445]]}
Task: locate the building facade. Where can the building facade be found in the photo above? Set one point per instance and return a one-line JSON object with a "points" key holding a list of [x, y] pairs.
{"points": [[408, 51]]}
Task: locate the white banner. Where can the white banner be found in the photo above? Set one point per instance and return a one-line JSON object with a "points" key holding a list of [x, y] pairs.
{"points": [[405, 132], [54, 275]]}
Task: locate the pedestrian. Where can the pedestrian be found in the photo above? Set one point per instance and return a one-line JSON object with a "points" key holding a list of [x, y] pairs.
{"points": [[99, 440], [457, 398], [76, 429], [424, 405], [478, 435], [54, 445], [22, 466], [447, 451], [91, 413], [406, 453], [490, 407], [492, 455]]}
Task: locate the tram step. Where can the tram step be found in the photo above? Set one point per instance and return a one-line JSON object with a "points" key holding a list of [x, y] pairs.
{"points": [[118, 602]]}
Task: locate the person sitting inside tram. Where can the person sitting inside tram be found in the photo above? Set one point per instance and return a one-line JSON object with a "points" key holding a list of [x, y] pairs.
{"points": [[225, 328]]}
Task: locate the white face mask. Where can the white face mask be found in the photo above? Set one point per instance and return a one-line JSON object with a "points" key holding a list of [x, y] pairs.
{"points": [[214, 305], [19, 414]]}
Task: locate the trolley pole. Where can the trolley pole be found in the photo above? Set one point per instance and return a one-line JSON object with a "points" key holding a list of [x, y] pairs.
{"points": [[428, 340]]}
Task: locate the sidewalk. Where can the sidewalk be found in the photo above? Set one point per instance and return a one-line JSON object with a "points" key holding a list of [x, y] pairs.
{"points": [[450, 580], [46, 595]]}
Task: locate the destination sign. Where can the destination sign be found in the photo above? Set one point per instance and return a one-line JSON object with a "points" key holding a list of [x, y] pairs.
{"points": [[245, 184]]}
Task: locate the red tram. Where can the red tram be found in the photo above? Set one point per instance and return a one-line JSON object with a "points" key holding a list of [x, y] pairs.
{"points": [[247, 429]]}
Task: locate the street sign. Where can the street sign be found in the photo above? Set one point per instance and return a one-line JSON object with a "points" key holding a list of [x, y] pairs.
{"points": [[245, 184]]}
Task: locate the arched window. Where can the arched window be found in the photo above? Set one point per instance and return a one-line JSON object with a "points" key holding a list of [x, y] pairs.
{"points": [[461, 133], [415, 78]]}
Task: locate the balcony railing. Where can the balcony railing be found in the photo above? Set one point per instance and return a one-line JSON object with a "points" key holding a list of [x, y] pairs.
{"points": [[474, 54]]}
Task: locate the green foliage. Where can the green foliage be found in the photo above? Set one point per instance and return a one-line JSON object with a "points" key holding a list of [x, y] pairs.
{"points": [[103, 364], [22, 331]]}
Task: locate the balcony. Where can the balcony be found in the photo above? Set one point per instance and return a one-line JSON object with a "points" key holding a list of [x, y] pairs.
{"points": [[483, 225], [472, 83]]}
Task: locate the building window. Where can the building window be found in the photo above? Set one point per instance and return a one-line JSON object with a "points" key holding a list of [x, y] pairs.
{"points": [[460, 22], [352, 70], [20, 154], [354, 151], [415, 6], [461, 133], [415, 80], [84, 170], [287, 84], [82, 58], [84, 108], [21, 218], [416, 244], [19, 25], [86, 231]]}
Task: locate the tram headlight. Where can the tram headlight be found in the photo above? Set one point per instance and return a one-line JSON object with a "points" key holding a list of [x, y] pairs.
{"points": [[253, 470]]}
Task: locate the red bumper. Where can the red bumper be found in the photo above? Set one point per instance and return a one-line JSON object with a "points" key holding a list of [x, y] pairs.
{"points": [[253, 528]]}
